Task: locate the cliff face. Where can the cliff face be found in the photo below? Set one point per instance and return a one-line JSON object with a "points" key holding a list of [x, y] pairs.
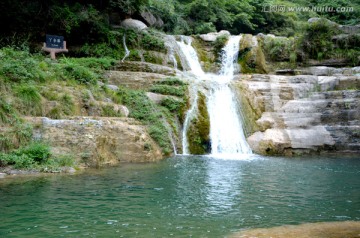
{"points": [[98, 142], [289, 115]]}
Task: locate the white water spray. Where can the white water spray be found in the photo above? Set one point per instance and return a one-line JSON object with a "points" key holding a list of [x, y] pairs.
{"points": [[191, 57], [226, 129], [229, 56]]}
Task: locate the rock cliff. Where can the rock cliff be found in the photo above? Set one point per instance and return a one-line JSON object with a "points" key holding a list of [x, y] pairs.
{"points": [[289, 115], [97, 142]]}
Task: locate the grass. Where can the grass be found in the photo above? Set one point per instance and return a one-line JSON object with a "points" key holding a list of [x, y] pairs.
{"points": [[30, 99], [144, 110], [33, 85]]}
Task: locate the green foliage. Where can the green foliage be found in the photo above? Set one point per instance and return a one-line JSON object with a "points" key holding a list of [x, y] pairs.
{"points": [[62, 160], [109, 111], [173, 105], [168, 90], [7, 112], [219, 44], [149, 41], [144, 110], [20, 66], [96, 64], [128, 7], [30, 99], [278, 48], [342, 16], [316, 41], [17, 132], [78, 72], [15, 136], [36, 151], [171, 81], [36, 156], [67, 104], [27, 157]]}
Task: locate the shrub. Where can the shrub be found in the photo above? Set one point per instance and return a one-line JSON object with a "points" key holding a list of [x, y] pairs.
{"points": [[67, 104], [172, 105], [27, 157], [168, 90], [219, 43], [74, 70], [316, 42], [62, 160], [149, 41], [37, 151], [279, 48], [171, 81]]}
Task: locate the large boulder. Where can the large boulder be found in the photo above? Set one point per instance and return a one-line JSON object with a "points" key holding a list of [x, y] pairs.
{"points": [[133, 24], [151, 20], [211, 37]]}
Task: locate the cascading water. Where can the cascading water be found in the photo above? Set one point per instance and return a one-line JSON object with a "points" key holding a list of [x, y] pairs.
{"points": [[191, 57], [127, 51], [226, 131]]}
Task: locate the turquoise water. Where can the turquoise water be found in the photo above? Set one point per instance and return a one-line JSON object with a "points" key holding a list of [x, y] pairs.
{"points": [[182, 197]]}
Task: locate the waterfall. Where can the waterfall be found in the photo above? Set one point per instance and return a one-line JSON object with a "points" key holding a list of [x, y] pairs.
{"points": [[189, 115], [226, 129], [191, 57], [127, 51], [229, 56]]}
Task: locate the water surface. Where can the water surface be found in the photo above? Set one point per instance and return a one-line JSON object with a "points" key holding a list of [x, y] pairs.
{"points": [[182, 197]]}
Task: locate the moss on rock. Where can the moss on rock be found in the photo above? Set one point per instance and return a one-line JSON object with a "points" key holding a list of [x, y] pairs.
{"points": [[251, 57], [198, 133]]}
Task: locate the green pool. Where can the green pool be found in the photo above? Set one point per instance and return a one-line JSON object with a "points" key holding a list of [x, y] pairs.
{"points": [[182, 197]]}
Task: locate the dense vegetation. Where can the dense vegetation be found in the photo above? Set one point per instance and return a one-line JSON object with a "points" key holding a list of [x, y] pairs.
{"points": [[86, 21]]}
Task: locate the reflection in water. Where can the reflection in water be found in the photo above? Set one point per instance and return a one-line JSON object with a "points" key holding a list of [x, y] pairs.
{"points": [[223, 187]]}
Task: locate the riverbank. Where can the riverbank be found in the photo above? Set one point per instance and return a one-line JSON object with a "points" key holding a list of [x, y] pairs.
{"points": [[345, 229]]}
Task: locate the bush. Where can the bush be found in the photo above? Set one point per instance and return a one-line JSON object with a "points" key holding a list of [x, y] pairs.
{"points": [[172, 105], [78, 72], [278, 49], [168, 90], [219, 44], [37, 151], [27, 157], [316, 42], [151, 42], [172, 81]]}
